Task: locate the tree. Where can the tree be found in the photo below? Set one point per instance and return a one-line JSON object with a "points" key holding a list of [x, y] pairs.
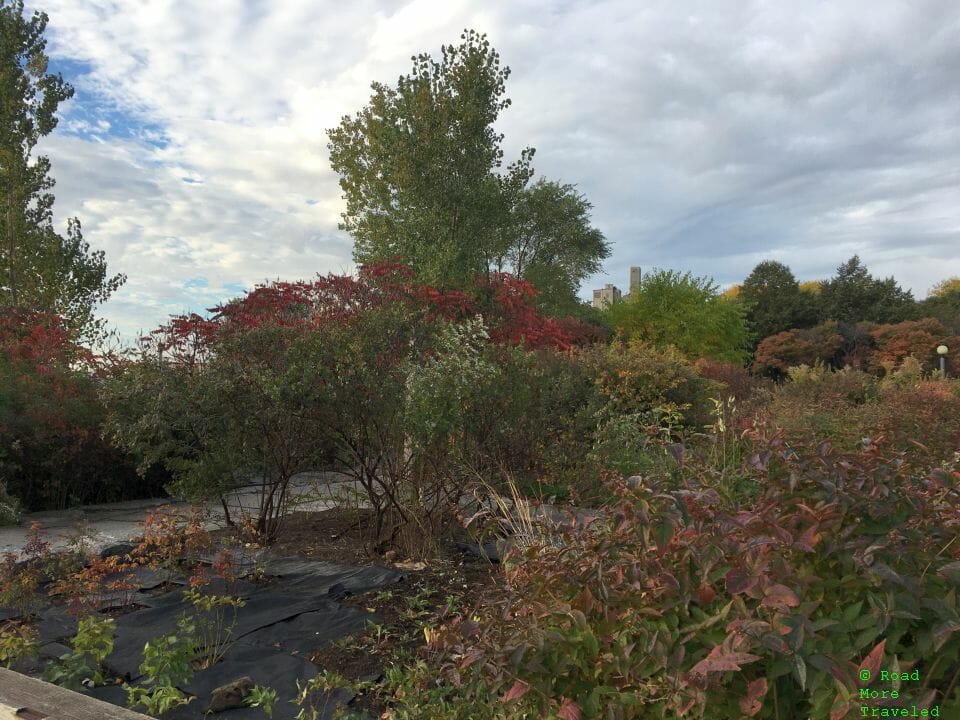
{"points": [[774, 300], [420, 169], [684, 311], [552, 245], [943, 303], [44, 271], [853, 295]]}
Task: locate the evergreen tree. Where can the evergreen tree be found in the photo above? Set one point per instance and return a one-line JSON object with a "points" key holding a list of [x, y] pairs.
{"points": [[853, 295], [775, 302]]}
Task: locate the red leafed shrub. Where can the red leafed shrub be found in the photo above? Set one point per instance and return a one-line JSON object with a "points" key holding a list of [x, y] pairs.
{"points": [[738, 380], [677, 603], [51, 453], [913, 338], [506, 303], [788, 349]]}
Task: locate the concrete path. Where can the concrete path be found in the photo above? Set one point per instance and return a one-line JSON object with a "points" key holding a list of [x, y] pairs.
{"points": [[103, 525]]}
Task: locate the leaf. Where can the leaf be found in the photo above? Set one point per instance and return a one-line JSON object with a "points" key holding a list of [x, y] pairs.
{"points": [[780, 595], [942, 633], [715, 662], [519, 689], [874, 659], [800, 668], [738, 581], [750, 703], [569, 710]]}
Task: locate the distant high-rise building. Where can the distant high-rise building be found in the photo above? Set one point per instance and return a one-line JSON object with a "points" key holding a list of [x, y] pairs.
{"points": [[634, 278], [607, 295]]}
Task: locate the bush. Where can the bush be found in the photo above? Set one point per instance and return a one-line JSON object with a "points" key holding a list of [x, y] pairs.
{"points": [[846, 406], [634, 377], [678, 604], [51, 451], [913, 338], [777, 353]]}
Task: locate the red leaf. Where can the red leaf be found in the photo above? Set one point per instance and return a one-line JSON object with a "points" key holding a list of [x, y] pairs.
{"points": [[519, 689], [780, 595], [750, 703], [706, 594], [569, 710], [872, 661], [715, 662]]}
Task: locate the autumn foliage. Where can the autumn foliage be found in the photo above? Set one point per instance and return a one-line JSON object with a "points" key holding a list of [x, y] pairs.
{"points": [[51, 452], [505, 302], [679, 603]]}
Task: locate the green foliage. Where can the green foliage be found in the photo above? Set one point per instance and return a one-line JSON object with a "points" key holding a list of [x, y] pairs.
{"points": [[214, 620], [16, 643], [43, 270], [774, 300], [636, 377], [420, 170], [687, 312], [853, 295], [218, 424], [167, 663], [326, 695], [91, 646], [264, 698], [552, 244], [945, 306]]}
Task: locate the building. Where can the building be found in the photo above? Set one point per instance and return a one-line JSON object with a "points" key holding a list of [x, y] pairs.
{"points": [[609, 294]]}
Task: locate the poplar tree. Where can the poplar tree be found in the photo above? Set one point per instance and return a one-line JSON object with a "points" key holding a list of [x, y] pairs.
{"points": [[422, 172], [43, 270]]}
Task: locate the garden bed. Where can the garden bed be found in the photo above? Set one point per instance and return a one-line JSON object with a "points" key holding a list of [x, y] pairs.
{"points": [[311, 605]]}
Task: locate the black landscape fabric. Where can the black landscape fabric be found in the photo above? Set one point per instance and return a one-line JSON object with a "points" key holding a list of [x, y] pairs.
{"points": [[294, 612]]}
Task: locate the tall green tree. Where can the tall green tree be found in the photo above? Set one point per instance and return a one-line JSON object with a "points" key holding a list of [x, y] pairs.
{"points": [[43, 270], [774, 300], [421, 169], [854, 295], [687, 312]]}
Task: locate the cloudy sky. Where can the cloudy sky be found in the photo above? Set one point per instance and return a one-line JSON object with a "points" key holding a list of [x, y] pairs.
{"points": [[708, 135]]}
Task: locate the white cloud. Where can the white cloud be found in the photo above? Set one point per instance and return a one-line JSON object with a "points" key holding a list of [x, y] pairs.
{"points": [[709, 135]]}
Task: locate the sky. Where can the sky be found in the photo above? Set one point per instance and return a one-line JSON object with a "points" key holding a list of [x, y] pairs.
{"points": [[708, 136]]}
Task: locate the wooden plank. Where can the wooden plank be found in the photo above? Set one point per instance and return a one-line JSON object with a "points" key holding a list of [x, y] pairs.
{"points": [[26, 698]]}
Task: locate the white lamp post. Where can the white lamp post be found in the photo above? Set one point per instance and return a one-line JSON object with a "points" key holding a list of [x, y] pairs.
{"points": [[942, 352]]}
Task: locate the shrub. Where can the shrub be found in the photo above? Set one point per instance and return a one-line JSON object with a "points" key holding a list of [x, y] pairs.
{"points": [[634, 377], [736, 380], [51, 451], [913, 338], [676, 603], [820, 344], [91, 646]]}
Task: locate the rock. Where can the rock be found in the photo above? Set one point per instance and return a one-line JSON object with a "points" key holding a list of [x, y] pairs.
{"points": [[411, 565], [231, 696], [486, 551]]}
